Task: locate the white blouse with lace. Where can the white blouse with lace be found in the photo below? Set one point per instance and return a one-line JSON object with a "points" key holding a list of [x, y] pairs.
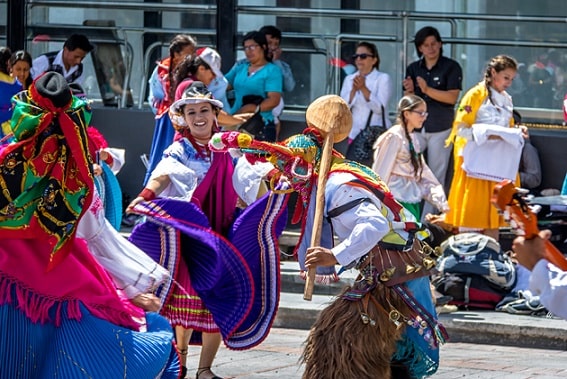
{"points": [[392, 161]]}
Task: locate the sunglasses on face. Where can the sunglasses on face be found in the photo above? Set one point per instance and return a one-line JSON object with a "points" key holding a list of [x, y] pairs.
{"points": [[362, 56]]}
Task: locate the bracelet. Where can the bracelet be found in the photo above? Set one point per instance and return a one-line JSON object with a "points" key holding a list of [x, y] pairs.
{"points": [[147, 194]]}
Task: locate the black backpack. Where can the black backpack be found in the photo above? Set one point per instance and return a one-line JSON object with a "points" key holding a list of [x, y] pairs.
{"points": [[474, 270]]}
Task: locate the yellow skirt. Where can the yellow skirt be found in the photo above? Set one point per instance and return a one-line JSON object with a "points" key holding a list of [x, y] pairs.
{"points": [[470, 201]]}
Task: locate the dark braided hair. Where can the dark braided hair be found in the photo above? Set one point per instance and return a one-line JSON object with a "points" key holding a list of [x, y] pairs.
{"points": [[18, 56], [409, 103], [177, 44], [498, 63], [188, 69], [5, 54]]}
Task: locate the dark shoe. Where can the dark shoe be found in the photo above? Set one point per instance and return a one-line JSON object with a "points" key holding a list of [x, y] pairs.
{"points": [[442, 300], [525, 307], [206, 369], [182, 354]]}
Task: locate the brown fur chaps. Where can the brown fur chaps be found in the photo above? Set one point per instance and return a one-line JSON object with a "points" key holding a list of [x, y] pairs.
{"points": [[341, 345]]}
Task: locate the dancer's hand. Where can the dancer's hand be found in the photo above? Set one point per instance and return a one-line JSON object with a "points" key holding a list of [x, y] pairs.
{"points": [[133, 203], [529, 252], [319, 256], [97, 170]]}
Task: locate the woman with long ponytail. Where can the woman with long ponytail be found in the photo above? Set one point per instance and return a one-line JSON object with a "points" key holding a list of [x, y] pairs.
{"points": [[162, 95], [487, 149]]}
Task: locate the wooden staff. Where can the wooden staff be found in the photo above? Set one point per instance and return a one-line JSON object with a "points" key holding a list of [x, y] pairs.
{"points": [[324, 167], [331, 116]]}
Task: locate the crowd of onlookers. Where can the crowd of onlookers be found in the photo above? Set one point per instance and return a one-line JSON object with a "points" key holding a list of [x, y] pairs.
{"points": [[426, 158], [440, 159]]}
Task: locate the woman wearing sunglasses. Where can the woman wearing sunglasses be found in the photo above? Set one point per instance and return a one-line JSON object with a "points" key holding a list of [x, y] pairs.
{"points": [[399, 162], [367, 92]]}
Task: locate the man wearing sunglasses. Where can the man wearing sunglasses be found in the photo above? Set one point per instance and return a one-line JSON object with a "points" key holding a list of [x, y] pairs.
{"points": [[438, 80]]}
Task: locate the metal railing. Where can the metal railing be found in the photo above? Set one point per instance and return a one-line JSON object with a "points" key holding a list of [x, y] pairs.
{"points": [[333, 42], [123, 5]]}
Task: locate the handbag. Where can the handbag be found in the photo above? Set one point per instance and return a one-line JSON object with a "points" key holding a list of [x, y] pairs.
{"points": [[252, 99], [361, 149], [393, 266], [254, 125]]}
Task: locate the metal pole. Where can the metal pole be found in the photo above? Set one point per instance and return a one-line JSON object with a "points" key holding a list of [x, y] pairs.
{"points": [[16, 25], [226, 32]]}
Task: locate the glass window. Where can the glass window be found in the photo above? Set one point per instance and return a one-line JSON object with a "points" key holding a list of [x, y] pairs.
{"points": [[319, 37]]}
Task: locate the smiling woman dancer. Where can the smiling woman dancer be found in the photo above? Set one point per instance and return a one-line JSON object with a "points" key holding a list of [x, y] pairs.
{"points": [[191, 226]]}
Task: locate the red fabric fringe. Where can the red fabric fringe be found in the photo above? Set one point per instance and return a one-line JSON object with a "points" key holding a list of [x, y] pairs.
{"points": [[37, 307]]}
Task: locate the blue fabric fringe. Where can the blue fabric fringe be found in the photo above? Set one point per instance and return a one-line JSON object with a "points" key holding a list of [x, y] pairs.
{"points": [[89, 348]]}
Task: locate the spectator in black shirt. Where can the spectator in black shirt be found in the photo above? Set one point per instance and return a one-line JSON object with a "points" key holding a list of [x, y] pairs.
{"points": [[438, 80]]}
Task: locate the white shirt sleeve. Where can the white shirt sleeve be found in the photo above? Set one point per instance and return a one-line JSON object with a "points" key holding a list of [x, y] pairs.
{"points": [[156, 92], [359, 228], [380, 94], [118, 158], [550, 283], [346, 88], [39, 66], [247, 178]]}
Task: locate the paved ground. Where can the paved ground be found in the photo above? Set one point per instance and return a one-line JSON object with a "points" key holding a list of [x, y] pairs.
{"points": [[278, 355], [484, 344]]}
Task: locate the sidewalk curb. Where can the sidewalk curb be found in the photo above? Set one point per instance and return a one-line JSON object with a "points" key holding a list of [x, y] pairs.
{"points": [[491, 327], [479, 327]]}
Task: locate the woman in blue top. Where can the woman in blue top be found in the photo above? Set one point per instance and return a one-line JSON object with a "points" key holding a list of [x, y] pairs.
{"points": [[257, 82], [8, 87]]}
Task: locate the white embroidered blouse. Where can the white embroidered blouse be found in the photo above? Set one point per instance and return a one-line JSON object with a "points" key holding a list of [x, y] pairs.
{"points": [[392, 161]]}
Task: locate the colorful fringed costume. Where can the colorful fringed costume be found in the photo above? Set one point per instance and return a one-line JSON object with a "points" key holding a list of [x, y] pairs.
{"points": [[61, 315], [370, 328], [226, 263]]}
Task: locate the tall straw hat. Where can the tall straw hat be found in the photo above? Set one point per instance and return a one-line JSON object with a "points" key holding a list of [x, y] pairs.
{"points": [[330, 113]]}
